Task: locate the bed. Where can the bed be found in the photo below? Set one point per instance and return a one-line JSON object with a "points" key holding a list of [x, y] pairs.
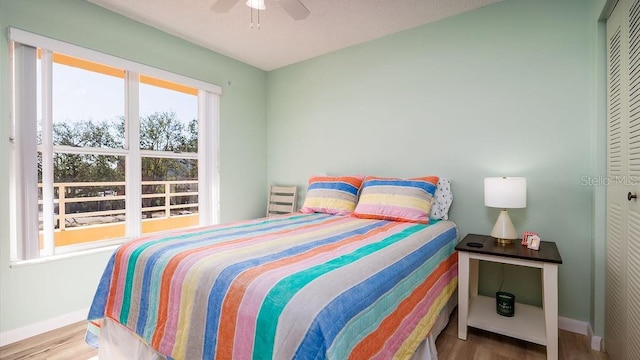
{"points": [[303, 286], [299, 286]]}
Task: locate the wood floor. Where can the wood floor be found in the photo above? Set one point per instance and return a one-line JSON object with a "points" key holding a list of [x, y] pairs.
{"points": [[62, 344], [483, 345], [68, 343]]}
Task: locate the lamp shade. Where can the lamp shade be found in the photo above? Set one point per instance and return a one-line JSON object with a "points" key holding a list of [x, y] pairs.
{"points": [[505, 192], [256, 4]]}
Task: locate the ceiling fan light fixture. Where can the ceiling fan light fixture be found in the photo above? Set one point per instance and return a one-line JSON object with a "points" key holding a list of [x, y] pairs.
{"points": [[256, 4]]}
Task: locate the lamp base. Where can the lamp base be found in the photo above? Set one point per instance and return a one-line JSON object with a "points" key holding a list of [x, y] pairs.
{"points": [[503, 241], [503, 230]]}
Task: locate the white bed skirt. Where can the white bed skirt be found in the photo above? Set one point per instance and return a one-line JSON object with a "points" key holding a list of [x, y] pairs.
{"points": [[118, 343]]}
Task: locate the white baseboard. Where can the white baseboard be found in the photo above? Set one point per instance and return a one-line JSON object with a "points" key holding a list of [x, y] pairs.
{"points": [[575, 326], [581, 327], [595, 341], [11, 336]]}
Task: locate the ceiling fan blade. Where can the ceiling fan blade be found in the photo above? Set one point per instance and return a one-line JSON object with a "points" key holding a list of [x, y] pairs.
{"points": [[294, 8], [222, 6]]}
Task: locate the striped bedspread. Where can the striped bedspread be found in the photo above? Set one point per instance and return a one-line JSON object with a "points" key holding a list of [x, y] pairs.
{"points": [[304, 286]]}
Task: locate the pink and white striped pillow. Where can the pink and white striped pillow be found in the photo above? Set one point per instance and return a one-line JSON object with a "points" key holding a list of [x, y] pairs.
{"points": [[332, 194], [396, 199]]}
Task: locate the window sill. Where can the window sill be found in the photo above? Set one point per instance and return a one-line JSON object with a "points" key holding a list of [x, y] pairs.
{"points": [[59, 257]]}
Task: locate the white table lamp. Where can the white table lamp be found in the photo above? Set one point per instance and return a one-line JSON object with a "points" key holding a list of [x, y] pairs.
{"points": [[505, 193]]}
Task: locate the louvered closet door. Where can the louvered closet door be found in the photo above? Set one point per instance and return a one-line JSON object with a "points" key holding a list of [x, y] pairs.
{"points": [[633, 185], [622, 323], [617, 113]]}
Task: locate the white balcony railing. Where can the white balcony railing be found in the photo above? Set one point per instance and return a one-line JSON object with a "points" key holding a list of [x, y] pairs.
{"points": [[169, 192]]}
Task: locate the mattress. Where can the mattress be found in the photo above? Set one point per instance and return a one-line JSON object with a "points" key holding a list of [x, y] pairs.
{"points": [[307, 286]]}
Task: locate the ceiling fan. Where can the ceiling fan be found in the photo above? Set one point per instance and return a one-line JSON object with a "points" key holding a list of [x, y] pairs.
{"points": [[294, 8]]}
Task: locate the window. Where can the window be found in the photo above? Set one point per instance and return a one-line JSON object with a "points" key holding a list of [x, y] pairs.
{"points": [[105, 149], [167, 108]]}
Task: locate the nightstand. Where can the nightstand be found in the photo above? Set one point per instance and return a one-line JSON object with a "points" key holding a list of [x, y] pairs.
{"points": [[530, 323]]}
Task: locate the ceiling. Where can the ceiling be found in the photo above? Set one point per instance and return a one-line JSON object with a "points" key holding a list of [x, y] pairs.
{"points": [[280, 40]]}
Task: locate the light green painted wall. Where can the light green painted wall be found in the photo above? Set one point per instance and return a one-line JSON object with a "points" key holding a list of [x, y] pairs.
{"points": [[511, 85], [507, 89], [39, 292]]}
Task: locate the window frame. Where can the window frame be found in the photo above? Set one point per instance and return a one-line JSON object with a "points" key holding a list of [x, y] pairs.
{"points": [[23, 182]]}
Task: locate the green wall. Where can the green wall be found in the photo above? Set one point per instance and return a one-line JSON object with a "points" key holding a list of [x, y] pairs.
{"points": [[35, 293], [508, 89]]}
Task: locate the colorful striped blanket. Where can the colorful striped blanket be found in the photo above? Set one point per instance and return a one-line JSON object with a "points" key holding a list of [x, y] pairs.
{"points": [[303, 286]]}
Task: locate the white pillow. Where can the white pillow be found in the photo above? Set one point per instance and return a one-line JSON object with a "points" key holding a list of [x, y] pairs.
{"points": [[442, 200]]}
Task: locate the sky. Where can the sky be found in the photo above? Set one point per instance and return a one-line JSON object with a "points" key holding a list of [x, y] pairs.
{"points": [[80, 95]]}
